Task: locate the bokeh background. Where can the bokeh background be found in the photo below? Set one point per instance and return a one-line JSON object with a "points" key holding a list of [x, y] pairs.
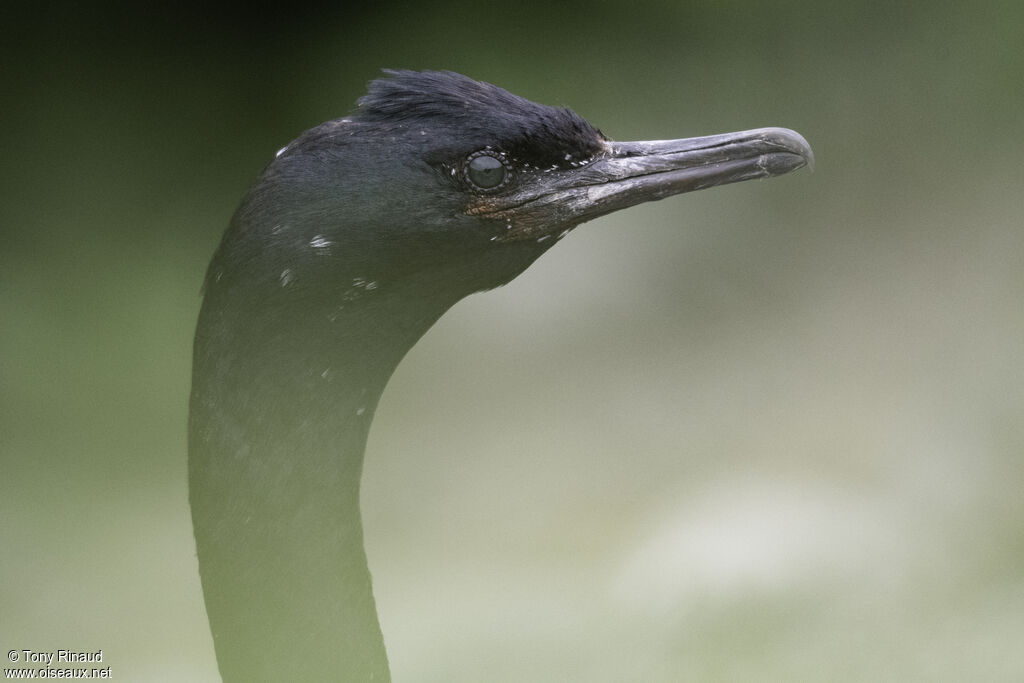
{"points": [[772, 431]]}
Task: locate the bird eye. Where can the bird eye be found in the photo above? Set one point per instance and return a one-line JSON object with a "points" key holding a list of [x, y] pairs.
{"points": [[486, 171]]}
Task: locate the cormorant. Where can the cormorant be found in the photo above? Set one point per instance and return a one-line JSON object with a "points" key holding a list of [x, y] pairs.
{"points": [[354, 240]]}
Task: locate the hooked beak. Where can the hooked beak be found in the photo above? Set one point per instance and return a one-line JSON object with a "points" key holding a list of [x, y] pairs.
{"points": [[630, 173]]}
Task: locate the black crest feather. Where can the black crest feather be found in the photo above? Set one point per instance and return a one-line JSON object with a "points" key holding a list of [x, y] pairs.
{"points": [[483, 113]]}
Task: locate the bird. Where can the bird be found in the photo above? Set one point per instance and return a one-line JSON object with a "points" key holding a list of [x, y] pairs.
{"points": [[355, 238]]}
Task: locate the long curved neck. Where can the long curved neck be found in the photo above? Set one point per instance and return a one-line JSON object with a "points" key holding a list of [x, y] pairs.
{"points": [[284, 389]]}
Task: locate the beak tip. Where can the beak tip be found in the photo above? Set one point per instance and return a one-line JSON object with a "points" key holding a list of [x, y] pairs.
{"points": [[792, 142], [809, 159]]}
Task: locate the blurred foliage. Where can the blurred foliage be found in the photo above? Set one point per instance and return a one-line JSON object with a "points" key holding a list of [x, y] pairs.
{"points": [[538, 479]]}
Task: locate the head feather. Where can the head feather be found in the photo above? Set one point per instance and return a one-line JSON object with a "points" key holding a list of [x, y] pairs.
{"points": [[482, 113]]}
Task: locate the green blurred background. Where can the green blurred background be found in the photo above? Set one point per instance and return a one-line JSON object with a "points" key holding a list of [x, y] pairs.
{"points": [[766, 432]]}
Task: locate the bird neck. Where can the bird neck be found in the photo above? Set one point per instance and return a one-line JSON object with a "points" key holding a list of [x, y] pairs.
{"points": [[285, 386]]}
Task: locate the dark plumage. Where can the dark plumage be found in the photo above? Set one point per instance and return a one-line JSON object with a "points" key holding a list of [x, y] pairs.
{"points": [[477, 115], [348, 247]]}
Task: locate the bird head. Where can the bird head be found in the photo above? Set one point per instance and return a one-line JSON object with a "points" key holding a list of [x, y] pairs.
{"points": [[436, 172]]}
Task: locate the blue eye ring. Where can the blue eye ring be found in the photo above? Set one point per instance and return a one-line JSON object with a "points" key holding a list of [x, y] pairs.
{"points": [[487, 171]]}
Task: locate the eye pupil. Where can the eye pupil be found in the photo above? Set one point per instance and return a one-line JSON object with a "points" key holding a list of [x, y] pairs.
{"points": [[486, 171]]}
